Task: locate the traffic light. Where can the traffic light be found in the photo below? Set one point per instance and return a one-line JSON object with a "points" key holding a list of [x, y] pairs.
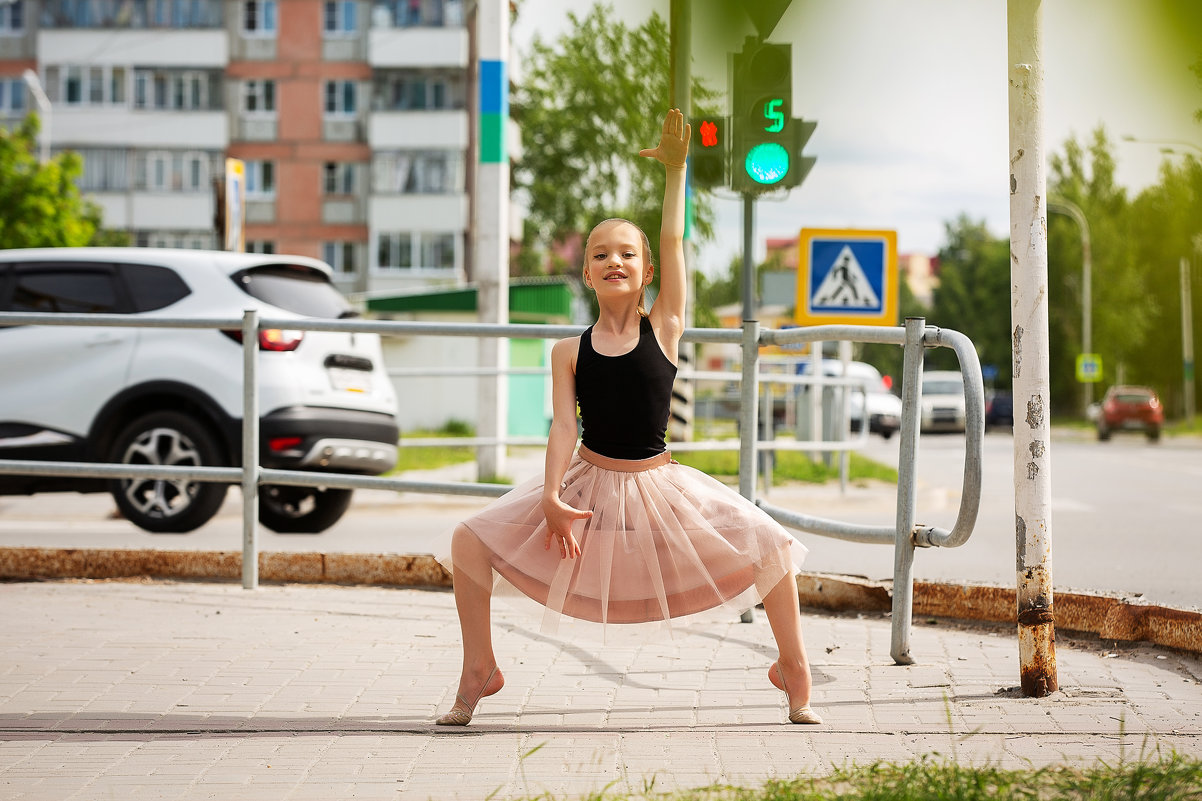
{"points": [[767, 138], [710, 152]]}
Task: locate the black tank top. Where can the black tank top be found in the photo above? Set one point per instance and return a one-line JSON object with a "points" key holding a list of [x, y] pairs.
{"points": [[624, 400]]}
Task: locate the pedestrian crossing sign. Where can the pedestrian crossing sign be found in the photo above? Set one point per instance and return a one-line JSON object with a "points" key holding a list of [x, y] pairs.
{"points": [[846, 277]]}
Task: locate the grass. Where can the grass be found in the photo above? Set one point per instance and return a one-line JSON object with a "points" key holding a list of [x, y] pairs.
{"points": [[790, 466], [1166, 778]]}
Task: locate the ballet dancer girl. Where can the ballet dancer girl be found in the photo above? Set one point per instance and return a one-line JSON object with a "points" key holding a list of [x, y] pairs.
{"points": [[615, 531]]}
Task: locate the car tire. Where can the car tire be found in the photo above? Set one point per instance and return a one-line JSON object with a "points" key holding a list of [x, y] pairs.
{"points": [[166, 507], [1154, 434], [301, 510], [1103, 433]]}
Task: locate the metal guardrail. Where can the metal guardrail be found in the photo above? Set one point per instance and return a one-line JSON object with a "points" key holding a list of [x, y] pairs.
{"points": [[906, 535]]}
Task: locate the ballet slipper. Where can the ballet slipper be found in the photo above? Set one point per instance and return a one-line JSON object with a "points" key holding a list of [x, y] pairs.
{"points": [[802, 714], [461, 713]]}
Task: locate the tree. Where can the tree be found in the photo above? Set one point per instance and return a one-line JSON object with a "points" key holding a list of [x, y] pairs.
{"points": [[1121, 308], [973, 296], [585, 106], [40, 205]]}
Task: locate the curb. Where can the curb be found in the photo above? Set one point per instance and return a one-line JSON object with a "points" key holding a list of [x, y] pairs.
{"points": [[1110, 617]]}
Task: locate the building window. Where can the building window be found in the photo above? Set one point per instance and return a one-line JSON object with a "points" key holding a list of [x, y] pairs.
{"points": [[130, 13], [339, 178], [258, 97], [259, 17], [173, 171], [260, 246], [416, 250], [340, 18], [12, 96], [176, 90], [341, 256], [418, 91], [76, 85], [340, 97], [12, 18], [260, 179], [412, 13], [417, 172], [104, 170]]}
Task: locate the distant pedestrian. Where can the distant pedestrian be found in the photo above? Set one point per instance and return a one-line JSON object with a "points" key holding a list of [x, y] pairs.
{"points": [[617, 532]]}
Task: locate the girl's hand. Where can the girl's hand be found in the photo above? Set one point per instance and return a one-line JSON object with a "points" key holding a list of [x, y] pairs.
{"points": [[560, 517], [673, 142]]}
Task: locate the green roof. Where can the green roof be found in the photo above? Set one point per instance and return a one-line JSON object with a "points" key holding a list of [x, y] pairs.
{"points": [[529, 300]]}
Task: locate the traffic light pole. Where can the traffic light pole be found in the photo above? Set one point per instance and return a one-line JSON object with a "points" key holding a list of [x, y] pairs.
{"points": [[748, 407], [681, 35]]}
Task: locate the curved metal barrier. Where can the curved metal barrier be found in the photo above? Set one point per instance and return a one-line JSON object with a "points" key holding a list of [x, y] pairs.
{"points": [[915, 336]]}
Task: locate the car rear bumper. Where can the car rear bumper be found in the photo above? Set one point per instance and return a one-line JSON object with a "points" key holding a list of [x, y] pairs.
{"points": [[337, 440]]}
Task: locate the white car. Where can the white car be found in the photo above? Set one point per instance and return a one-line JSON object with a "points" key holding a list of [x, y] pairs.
{"points": [[884, 408], [942, 400], [173, 396]]}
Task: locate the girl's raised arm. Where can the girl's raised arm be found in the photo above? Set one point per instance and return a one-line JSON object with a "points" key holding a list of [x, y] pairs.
{"points": [[668, 313]]}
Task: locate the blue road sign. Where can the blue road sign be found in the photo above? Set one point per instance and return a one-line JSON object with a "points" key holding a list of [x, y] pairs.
{"points": [[847, 277]]}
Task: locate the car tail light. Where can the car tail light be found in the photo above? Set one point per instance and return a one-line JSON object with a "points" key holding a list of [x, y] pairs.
{"points": [[273, 338], [280, 444]]}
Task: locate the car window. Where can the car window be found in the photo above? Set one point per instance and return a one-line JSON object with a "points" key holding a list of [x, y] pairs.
{"points": [[942, 388], [90, 289], [1133, 397], [294, 288], [152, 287]]}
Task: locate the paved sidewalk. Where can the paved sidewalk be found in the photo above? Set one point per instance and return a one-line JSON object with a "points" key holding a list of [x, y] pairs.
{"points": [[139, 690]]}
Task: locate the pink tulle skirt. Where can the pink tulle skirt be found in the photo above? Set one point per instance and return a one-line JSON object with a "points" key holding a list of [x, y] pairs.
{"points": [[664, 541]]}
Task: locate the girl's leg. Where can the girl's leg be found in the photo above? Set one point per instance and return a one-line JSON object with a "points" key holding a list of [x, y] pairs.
{"points": [[784, 617], [473, 598]]}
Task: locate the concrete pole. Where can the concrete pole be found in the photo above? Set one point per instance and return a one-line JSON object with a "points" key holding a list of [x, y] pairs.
{"points": [[491, 227], [1029, 318], [1187, 340], [39, 96]]}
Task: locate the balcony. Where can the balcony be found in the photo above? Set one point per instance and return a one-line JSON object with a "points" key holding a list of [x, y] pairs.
{"points": [[121, 127], [417, 47], [439, 130], [156, 210], [182, 49]]}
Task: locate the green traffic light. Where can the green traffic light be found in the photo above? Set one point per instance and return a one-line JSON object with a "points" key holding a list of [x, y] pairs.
{"points": [[767, 163]]}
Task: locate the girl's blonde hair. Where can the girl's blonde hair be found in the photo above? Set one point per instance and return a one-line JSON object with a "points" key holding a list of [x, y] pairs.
{"points": [[647, 258]]}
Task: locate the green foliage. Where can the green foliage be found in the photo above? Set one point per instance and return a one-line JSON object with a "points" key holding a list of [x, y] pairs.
{"points": [[586, 105], [973, 296], [40, 204]]}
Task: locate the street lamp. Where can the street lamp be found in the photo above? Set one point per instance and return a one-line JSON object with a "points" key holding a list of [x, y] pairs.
{"points": [[1187, 317], [1073, 210], [35, 86]]}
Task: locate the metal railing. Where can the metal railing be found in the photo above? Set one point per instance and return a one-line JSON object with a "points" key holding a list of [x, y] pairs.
{"points": [[905, 534]]}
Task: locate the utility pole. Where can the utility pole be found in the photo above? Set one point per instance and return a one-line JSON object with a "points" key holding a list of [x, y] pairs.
{"points": [[680, 422], [491, 228], [1030, 351], [1074, 211], [1187, 341]]}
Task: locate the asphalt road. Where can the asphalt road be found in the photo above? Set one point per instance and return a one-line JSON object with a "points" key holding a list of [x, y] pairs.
{"points": [[1126, 517]]}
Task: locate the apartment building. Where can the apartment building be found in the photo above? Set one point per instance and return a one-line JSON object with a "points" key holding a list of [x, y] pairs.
{"points": [[352, 117]]}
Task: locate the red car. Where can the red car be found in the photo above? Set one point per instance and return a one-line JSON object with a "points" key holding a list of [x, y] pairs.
{"points": [[1127, 408]]}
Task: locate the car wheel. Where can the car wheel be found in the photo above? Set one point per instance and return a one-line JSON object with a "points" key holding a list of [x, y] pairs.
{"points": [[1103, 433], [161, 505], [1154, 434], [301, 510]]}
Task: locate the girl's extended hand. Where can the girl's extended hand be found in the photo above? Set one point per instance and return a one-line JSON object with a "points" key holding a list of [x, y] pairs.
{"points": [[673, 142], [560, 517]]}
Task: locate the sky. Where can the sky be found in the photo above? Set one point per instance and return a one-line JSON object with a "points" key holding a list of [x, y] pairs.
{"points": [[911, 101]]}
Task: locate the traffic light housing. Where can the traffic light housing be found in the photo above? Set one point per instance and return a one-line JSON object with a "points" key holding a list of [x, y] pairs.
{"points": [[710, 153], [767, 139]]}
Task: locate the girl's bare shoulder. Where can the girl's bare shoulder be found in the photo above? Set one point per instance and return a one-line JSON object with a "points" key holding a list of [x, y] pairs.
{"points": [[564, 352]]}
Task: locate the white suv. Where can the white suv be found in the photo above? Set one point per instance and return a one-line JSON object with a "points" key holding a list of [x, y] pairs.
{"points": [[173, 396]]}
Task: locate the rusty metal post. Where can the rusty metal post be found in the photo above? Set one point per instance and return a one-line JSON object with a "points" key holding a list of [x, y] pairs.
{"points": [[1029, 320]]}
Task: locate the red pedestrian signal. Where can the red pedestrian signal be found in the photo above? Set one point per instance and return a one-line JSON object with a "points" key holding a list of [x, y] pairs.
{"points": [[707, 164]]}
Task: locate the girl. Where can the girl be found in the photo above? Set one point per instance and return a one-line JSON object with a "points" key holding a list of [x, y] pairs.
{"points": [[618, 532]]}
